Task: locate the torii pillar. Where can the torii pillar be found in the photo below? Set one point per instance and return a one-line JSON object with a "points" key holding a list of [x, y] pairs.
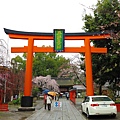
{"points": [[30, 49]]}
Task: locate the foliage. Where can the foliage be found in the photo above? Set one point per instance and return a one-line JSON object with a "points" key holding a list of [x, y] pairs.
{"points": [[35, 91], [15, 102], [106, 19], [18, 63], [73, 70], [47, 64], [117, 101], [18, 68], [43, 63]]}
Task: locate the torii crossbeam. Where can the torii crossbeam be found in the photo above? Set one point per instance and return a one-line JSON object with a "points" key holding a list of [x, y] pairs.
{"points": [[30, 49]]}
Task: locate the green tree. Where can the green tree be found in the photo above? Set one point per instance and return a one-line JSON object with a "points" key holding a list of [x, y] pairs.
{"points": [[18, 69], [18, 63], [47, 64], [35, 92], [43, 63], [106, 18]]}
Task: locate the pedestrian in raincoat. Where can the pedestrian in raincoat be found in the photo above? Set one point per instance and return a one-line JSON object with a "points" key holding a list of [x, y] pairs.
{"points": [[49, 101]]}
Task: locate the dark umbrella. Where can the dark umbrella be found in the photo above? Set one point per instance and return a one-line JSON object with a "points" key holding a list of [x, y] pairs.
{"points": [[45, 91]]}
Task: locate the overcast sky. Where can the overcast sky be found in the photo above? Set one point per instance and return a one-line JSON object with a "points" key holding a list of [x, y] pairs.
{"points": [[42, 16]]}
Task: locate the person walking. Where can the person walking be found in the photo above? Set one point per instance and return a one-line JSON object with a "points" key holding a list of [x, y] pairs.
{"points": [[58, 96], [49, 101], [67, 96], [45, 100]]}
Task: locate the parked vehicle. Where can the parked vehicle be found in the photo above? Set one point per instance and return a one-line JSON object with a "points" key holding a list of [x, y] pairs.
{"points": [[98, 105]]}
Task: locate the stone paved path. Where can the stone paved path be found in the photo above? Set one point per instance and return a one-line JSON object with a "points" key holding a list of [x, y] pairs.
{"points": [[64, 111]]}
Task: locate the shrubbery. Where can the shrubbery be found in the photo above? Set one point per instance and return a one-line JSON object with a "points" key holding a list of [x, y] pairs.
{"points": [[15, 102]]}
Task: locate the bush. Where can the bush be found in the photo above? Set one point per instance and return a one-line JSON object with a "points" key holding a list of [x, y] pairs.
{"points": [[117, 101], [15, 102], [35, 92]]}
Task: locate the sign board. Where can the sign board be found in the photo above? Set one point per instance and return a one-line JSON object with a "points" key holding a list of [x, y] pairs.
{"points": [[59, 40], [57, 104]]}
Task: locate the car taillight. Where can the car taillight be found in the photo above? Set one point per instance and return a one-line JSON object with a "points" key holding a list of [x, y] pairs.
{"points": [[112, 104], [93, 105]]}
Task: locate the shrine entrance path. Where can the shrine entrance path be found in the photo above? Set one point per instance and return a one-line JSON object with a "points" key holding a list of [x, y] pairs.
{"points": [[67, 111]]}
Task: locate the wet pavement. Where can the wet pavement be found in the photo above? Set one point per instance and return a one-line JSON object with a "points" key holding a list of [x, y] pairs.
{"points": [[60, 110], [67, 111]]}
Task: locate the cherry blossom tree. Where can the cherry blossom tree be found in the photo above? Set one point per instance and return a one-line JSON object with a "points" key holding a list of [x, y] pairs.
{"points": [[46, 83]]}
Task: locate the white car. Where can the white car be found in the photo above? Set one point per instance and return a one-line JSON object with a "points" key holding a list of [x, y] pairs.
{"points": [[98, 105]]}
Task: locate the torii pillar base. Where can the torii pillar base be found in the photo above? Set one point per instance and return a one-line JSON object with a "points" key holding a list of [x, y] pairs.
{"points": [[26, 104], [26, 101]]}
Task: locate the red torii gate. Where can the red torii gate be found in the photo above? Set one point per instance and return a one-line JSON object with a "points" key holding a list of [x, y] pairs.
{"points": [[30, 49]]}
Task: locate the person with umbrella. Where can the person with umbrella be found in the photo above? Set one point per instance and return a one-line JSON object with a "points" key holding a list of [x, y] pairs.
{"points": [[45, 97], [49, 101], [45, 100], [52, 93]]}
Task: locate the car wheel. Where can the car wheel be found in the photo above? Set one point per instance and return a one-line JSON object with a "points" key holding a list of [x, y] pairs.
{"points": [[87, 113], [114, 116]]}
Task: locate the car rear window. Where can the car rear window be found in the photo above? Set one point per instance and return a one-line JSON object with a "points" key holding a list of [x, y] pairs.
{"points": [[100, 99]]}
